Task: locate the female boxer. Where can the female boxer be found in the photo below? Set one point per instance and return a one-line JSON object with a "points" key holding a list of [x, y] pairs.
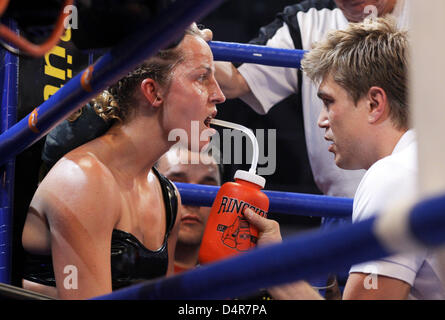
{"points": [[103, 217]]}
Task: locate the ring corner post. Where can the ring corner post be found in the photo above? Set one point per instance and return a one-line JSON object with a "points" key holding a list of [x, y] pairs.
{"points": [[8, 117], [427, 67]]}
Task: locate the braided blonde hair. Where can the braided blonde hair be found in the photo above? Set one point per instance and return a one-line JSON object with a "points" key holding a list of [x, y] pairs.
{"points": [[118, 101]]}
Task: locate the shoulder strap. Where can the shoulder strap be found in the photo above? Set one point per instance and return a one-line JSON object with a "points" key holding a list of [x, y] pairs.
{"points": [[170, 200]]}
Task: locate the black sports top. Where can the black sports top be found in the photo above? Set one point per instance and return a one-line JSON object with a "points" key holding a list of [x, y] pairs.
{"points": [[131, 262]]}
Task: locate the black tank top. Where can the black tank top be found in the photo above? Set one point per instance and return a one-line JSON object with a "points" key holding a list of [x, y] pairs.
{"points": [[131, 262]]}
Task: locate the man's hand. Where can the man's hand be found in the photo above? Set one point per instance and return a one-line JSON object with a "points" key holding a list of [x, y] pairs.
{"points": [[268, 233], [268, 230]]}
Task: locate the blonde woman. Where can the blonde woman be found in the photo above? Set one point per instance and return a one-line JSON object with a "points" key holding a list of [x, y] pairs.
{"points": [[103, 217]]}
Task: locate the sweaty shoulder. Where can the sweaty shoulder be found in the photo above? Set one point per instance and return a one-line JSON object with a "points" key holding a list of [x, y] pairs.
{"points": [[390, 179], [79, 186]]}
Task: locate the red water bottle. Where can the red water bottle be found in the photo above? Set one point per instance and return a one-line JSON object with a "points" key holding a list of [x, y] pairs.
{"points": [[227, 231]]}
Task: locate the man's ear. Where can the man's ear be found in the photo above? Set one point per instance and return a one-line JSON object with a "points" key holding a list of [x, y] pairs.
{"points": [[378, 105], [151, 91]]}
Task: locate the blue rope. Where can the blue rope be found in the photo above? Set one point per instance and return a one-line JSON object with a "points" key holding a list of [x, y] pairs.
{"points": [[248, 53], [299, 257], [280, 202]]}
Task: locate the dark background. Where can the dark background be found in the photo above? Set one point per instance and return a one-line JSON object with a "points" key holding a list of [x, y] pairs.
{"points": [[234, 21]]}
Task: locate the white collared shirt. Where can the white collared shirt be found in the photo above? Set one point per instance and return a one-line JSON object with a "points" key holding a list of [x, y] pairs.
{"points": [[392, 179]]}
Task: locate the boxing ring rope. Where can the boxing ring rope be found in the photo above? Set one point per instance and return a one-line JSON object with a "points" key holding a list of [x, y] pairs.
{"points": [[300, 257], [279, 202], [8, 119], [248, 53]]}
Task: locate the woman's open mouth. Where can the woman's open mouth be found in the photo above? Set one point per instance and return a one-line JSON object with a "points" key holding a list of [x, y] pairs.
{"points": [[209, 118], [207, 122]]}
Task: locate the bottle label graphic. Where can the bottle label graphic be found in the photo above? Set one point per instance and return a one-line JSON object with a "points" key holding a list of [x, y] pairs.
{"points": [[227, 231], [237, 236]]}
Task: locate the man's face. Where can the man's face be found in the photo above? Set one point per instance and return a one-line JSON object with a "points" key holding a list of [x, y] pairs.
{"points": [[356, 10], [345, 123], [193, 219]]}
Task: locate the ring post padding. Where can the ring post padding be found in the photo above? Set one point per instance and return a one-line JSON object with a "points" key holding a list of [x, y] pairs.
{"points": [[393, 228], [8, 118], [426, 217], [123, 58], [248, 53], [279, 202]]}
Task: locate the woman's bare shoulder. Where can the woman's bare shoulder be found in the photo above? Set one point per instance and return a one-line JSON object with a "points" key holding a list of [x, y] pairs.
{"points": [[78, 185]]}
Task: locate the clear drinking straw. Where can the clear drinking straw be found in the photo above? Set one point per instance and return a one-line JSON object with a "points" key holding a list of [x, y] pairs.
{"points": [[248, 132]]}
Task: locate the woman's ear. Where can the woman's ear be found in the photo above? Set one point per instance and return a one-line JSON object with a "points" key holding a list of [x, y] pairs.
{"points": [[151, 91], [378, 105]]}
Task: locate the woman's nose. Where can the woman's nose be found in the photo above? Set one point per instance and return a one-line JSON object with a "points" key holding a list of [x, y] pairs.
{"points": [[217, 95]]}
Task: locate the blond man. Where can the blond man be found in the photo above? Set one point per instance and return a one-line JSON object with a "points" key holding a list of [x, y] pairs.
{"points": [[361, 73]]}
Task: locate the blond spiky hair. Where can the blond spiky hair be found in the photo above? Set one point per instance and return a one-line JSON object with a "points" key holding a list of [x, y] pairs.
{"points": [[371, 53]]}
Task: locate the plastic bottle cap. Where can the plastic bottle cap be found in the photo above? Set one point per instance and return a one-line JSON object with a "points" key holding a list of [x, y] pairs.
{"points": [[250, 177]]}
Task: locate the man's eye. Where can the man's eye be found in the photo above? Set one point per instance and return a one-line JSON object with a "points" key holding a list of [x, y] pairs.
{"points": [[327, 103]]}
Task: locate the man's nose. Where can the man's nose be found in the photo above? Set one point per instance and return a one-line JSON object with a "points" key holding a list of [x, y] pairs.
{"points": [[323, 121]]}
